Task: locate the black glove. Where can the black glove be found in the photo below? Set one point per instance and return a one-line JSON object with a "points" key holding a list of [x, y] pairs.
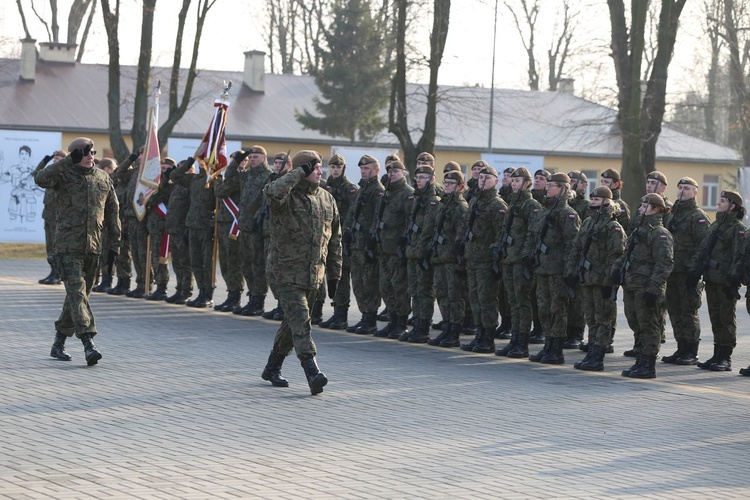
{"points": [[616, 276], [241, 155], [46, 159], [332, 286], [649, 299], [111, 257], [189, 162], [347, 238], [168, 172], [692, 280], [529, 261], [458, 248], [133, 156], [76, 155], [732, 292], [308, 167], [402, 242], [734, 281], [606, 292], [571, 280]]}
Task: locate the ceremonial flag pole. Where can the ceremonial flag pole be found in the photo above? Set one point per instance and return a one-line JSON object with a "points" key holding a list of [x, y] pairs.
{"points": [[149, 171]]}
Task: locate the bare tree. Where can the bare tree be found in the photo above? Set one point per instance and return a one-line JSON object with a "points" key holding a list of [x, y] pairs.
{"points": [[86, 30], [734, 15], [560, 48], [111, 25], [23, 20], [530, 15], [139, 128]]}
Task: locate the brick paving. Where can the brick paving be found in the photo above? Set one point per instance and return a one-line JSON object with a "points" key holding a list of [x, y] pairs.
{"points": [[176, 409]]}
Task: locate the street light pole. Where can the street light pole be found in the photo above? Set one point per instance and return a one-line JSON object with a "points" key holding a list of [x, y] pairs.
{"points": [[492, 85]]}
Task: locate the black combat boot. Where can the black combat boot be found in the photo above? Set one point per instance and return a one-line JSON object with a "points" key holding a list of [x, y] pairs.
{"points": [[104, 285], [589, 353], [270, 314], [183, 297], [554, 354], [208, 299], [217, 307], [521, 350], [638, 361], [706, 365], [279, 314], [138, 293], [272, 371], [52, 279], [122, 287], [233, 301], [632, 353], [172, 298], [672, 358], [469, 328], [442, 335], [440, 325], [58, 348], [240, 309], [745, 371], [421, 333], [400, 329], [315, 378], [574, 338], [486, 344], [595, 361], [340, 318], [46, 279], [326, 323], [388, 328], [689, 354], [537, 336], [510, 346], [384, 315], [723, 362], [258, 306], [503, 331], [541, 354], [316, 313], [159, 294], [199, 298], [353, 328], [369, 324], [646, 369], [475, 341], [451, 340], [89, 349], [414, 326]]}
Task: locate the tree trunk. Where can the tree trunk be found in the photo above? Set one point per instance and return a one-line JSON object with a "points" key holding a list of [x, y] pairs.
{"points": [[139, 129], [55, 25], [86, 30], [737, 78], [23, 20], [398, 123], [77, 12], [116, 140]]}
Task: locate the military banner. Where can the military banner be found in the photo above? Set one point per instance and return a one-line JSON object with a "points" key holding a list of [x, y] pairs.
{"points": [[212, 151], [150, 168]]}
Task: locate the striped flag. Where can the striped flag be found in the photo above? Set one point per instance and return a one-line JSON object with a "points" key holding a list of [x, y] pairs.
{"points": [[212, 151], [149, 173]]}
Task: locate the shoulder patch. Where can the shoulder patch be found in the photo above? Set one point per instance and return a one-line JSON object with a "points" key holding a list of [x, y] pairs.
{"points": [[411, 197], [742, 232], [572, 216], [617, 229], [433, 203], [502, 211], [353, 190], [663, 237], [701, 221], [535, 211]]}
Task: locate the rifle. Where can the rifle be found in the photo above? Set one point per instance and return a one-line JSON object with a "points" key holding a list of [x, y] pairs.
{"points": [[670, 227], [260, 216], [507, 238], [469, 232], [437, 237], [633, 240], [583, 261], [378, 225], [704, 260], [356, 226], [411, 226], [540, 248]]}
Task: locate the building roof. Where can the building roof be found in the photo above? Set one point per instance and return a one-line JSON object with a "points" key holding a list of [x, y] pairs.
{"points": [[73, 97]]}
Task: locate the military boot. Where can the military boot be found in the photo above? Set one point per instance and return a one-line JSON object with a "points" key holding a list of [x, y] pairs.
{"points": [[745, 371], [279, 314], [555, 354], [521, 350], [89, 349], [400, 329], [706, 365], [270, 314], [326, 323], [138, 293], [441, 336], [208, 299], [451, 339], [469, 328], [475, 341], [58, 348], [258, 306], [510, 346], [384, 315], [159, 294], [646, 369], [541, 354], [537, 336], [232, 302], [503, 331], [340, 318], [369, 324], [574, 338], [420, 334], [172, 298], [315, 378], [316, 313], [486, 344], [595, 361], [53, 278], [122, 287], [45, 280], [636, 366], [388, 328], [632, 353], [199, 298], [182, 297], [353, 328], [104, 285], [415, 324], [689, 354], [723, 362], [218, 307], [272, 371], [440, 325], [672, 358], [589, 353]]}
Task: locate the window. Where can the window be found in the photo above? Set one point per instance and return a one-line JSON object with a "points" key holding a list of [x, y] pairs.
{"points": [[593, 177], [710, 191]]}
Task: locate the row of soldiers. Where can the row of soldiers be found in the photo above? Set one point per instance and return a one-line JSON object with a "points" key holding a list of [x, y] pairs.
{"points": [[511, 248]]}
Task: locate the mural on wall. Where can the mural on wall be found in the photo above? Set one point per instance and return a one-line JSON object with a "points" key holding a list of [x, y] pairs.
{"points": [[21, 200]]}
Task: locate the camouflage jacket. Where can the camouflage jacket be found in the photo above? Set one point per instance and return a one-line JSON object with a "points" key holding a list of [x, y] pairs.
{"points": [[726, 258], [202, 199], [605, 238], [506, 193], [579, 203], [689, 226], [306, 235], [344, 192], [250, 183], [50, 198], [86, 204], [367, 198], [395, 210], [563, 227], [420, 223], [520, 214], [623, 214], [155, 223], [121, 177], [486, 227], [652, 257], [178, 207], [472, 189], [449, 217], [223, 189]]}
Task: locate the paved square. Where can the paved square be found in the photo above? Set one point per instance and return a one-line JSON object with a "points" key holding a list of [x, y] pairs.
{"points": [[177, 409]]}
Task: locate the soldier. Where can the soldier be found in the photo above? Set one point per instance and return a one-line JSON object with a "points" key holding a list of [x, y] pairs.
{"points": [[689, 227], [156, 213], [86, 201], [418, 232], [346, 195], [505, 190], [450, 278], [472, 185], [49, 216], [427, 160], [540, 181], [643, 271], [179, 240], [108, 166], [229, 245], [719, 262], [523, 209], [305, 246], [599, 243], [611, 178], [476, 239], [200, 223], [387, 235], [578, 185], [576, 321], [124, 258], [250, 182]]}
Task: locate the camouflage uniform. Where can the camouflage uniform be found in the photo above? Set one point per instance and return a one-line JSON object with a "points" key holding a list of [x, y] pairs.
{"points": [[156, 226], [179, 241], [124, 260], [623, 214], [137, 232], [344, 192], [86, 202], [576, 320], [229, 246]]}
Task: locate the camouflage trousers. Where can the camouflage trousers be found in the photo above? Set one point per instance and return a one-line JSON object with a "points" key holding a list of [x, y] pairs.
{"points": [[124, 262], [552, 299], [420, 290], [159, 270], [253, 255], [102, 270], [49, 236], [576, 318], [450, 290], [722, 311], [644, 321], [683, 309], [179, 248], [365, 281], [294, 332], [201, 255], [229, 258], [343, 294], [518, 290], [78, 273], [393, 284], [482, 294], [138, 237], [599, 311], [503, 302]]}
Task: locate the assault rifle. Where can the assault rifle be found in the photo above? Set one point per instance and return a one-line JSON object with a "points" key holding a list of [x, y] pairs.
{"points": [[583, 261], [507, 238], [469, 232], [378, 224], [356, 226], [437, 238], [411, 226], [633, 240], [540, 248]]}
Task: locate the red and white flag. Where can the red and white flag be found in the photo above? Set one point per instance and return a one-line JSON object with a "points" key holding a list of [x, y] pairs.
{"points": [[149, 173], [212, 151]]}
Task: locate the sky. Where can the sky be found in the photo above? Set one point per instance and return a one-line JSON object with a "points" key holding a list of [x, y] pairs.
{"points": [[234, 27]]}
